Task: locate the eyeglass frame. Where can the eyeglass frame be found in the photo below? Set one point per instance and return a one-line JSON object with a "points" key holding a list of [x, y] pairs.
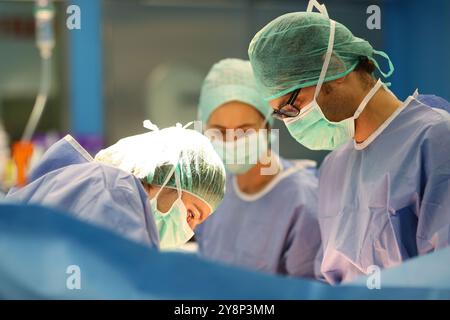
{"points": [[280, 114]]}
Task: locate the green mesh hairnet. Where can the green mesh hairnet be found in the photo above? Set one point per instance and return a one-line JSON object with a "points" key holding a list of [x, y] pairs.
{"points": [[151, 156], [231, 80], [288, 53]]}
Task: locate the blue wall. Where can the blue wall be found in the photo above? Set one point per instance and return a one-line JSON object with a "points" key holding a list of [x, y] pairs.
{"points": [[417, 38], [86, 75]]}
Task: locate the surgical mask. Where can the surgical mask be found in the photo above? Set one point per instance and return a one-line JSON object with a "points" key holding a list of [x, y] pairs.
{"points": [[240, 155], [311, 128], [174, 231]]}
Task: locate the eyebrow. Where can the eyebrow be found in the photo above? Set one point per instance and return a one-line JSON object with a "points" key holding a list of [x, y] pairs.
{"points": [[242, 125], [249, 124]]}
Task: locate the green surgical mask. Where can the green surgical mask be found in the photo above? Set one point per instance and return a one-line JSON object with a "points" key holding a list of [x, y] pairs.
{"points": [[174, 231], [312, 129]]}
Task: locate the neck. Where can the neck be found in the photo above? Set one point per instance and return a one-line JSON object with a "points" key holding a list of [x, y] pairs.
{"points": [[253, 181], [378, 110]]}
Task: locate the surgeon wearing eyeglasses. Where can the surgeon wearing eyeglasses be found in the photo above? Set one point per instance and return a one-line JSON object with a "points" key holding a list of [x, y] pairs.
{"points": [[384, 190]]}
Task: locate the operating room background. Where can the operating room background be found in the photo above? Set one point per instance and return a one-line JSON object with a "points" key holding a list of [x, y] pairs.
{"points": [[134, 60]]}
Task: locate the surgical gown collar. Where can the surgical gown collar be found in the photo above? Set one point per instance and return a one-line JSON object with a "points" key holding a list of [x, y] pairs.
{"points": [[379, 131]]}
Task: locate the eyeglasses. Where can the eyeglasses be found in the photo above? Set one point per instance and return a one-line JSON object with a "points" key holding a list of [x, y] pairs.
{"points": [[287, 110]]}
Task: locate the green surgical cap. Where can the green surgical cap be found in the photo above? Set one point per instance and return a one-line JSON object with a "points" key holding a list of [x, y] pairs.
{"points": [[288, 53], [151, 157], [231, 80]]}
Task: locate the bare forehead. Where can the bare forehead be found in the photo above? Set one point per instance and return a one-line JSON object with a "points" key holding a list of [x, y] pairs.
{"points": [[234, 112], [236, 107]]}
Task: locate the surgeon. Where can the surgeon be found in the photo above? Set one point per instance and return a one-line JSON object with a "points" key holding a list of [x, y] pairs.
{"points": [[384, 192], [267, 220], [153, 188]]}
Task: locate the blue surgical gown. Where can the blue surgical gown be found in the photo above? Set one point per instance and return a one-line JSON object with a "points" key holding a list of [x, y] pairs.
{"points": [[275, 232], [389, 201], [434, 101], [68, 179]]}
